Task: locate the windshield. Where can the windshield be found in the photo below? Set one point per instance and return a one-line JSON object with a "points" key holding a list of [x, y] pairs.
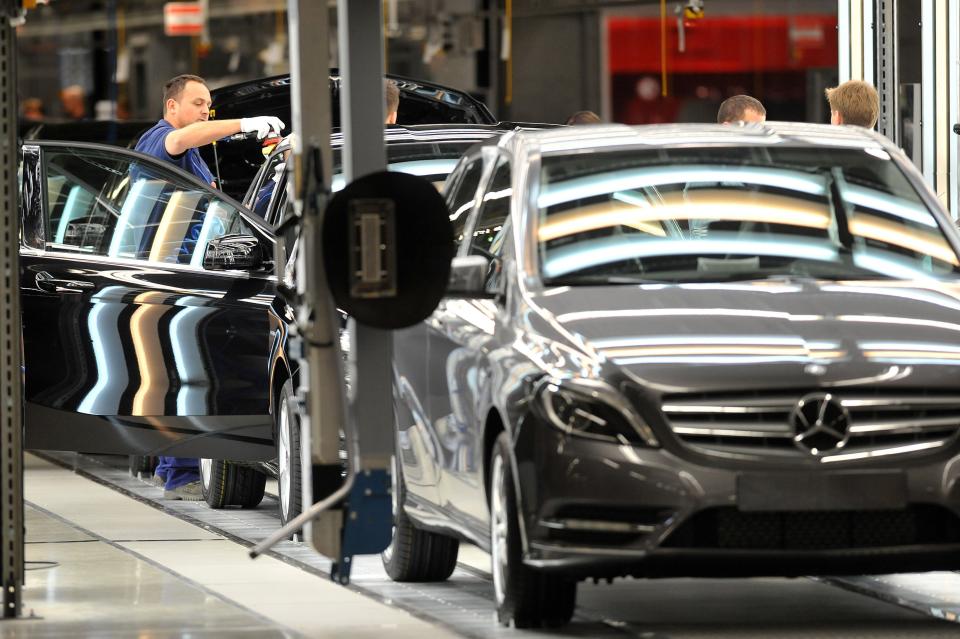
{"points": [[720, 214], [430, 160]]}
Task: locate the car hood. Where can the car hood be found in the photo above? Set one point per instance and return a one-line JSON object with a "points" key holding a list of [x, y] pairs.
{"points": [[743, 336]]}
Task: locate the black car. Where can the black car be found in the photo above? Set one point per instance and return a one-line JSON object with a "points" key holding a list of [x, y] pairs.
{"points": [[237, 162], [683, 351], [141, 336]]}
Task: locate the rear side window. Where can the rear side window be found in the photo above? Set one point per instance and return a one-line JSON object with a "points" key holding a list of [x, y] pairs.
{"points": [[461, 196], [110, 204]]}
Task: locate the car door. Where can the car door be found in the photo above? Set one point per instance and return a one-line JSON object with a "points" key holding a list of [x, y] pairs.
{"points": [[419, 451], [461, 333], [130, 344]]}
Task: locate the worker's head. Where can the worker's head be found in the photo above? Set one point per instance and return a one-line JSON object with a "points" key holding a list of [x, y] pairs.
{"points": [[186, 99], [392, 94], [741, 108], [854, 102], [583, 117], [74, 101]]}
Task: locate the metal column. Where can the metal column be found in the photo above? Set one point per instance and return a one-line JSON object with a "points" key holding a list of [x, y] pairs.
{"points": [[321, 388], [11, 415], [953, 90], [362, 112], [886, 67], [351, 516]]}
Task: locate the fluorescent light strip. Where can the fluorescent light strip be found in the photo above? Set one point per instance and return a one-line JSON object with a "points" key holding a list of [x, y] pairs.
{"points": [[107, 354], [185, 341], [643, 177], [565, 261], [886, 203]]}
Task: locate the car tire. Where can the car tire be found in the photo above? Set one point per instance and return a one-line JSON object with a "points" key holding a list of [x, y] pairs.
{"points": [[227, 484], [525, 597], [249, 486], [290, 474], [414, 554], [142, 465]]}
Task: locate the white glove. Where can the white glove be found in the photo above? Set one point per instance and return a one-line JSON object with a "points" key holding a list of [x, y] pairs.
{"points": [[262, 125]]}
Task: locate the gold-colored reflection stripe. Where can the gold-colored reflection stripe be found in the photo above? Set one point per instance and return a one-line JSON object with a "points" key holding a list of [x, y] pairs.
{"points": [[154, 382], [773, 209], [878, 229], [174, 225]]}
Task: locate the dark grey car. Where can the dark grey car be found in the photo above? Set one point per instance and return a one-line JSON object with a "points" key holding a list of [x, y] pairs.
{"points": [[683, 351]]}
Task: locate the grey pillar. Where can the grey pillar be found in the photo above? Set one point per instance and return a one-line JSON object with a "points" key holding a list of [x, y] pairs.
{"points": [[362, 116], [11, 414], [886, 67], [321, 389]]}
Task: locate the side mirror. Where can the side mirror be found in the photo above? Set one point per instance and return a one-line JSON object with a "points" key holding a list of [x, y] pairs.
{"points": [[468, 276], [233, 252]]}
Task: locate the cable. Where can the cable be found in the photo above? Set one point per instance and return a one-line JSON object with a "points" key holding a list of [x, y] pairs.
{"points": [[45, 565]]}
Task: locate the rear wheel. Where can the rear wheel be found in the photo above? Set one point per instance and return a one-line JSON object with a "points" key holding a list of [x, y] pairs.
{"points": [[525, 597], [290, 475], [142, 465], [227, 484], [414, 554]]}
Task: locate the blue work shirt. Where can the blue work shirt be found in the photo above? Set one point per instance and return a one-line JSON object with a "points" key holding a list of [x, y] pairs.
{"points": [[152, 143]]}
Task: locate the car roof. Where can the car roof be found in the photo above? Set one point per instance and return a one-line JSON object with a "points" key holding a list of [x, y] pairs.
{"points": [[606, 136]]}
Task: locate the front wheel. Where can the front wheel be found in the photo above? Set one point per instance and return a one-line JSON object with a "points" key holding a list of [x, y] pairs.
{"points": [[414, 554], [525, 597], [227, 484]]}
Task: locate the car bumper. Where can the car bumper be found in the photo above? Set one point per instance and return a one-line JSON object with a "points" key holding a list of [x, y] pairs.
{"points": [[600, 509]]}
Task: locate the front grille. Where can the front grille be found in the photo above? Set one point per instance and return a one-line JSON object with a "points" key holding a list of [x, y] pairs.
{"points": [[731, 529], [880, 423]]}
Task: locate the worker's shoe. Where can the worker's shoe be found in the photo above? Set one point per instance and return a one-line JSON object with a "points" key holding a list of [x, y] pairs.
{"points": [[157, 481], [186, 492]]}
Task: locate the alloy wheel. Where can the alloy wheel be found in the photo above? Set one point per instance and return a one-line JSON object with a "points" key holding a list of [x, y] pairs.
{"points": [[283, 455], [206, 469], [498, 529]]}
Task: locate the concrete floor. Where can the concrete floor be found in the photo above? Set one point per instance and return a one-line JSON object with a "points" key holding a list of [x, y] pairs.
{"points": [[113, 567], [106, 564]]}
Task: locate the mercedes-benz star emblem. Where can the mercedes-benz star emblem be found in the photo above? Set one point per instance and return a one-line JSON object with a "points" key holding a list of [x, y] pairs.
{"points": [[820, 424]]}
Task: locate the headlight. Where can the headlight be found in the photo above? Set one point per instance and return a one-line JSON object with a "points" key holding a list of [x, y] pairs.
{"points": [[592, 409]]}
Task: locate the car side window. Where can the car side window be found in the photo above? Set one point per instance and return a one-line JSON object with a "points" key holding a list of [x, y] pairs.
{"points": [[460, 198], [270, 185], [494, 211], [106, 203]]}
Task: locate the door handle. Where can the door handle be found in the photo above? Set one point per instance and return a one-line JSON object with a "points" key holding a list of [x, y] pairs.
{"points": [[49, 283]]}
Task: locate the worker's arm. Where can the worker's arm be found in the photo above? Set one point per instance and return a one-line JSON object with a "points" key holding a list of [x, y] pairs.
{"points": [[199, 134]]}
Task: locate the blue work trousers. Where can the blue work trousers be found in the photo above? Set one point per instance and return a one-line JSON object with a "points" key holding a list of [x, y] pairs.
{"points": [[177, 471]]}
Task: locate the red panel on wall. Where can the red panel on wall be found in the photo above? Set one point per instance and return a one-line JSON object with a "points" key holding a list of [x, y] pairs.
{"points": [[724, 44]]}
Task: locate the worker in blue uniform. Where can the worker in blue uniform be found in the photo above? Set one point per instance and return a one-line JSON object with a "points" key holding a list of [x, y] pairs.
{"points": [[185, 126]]}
